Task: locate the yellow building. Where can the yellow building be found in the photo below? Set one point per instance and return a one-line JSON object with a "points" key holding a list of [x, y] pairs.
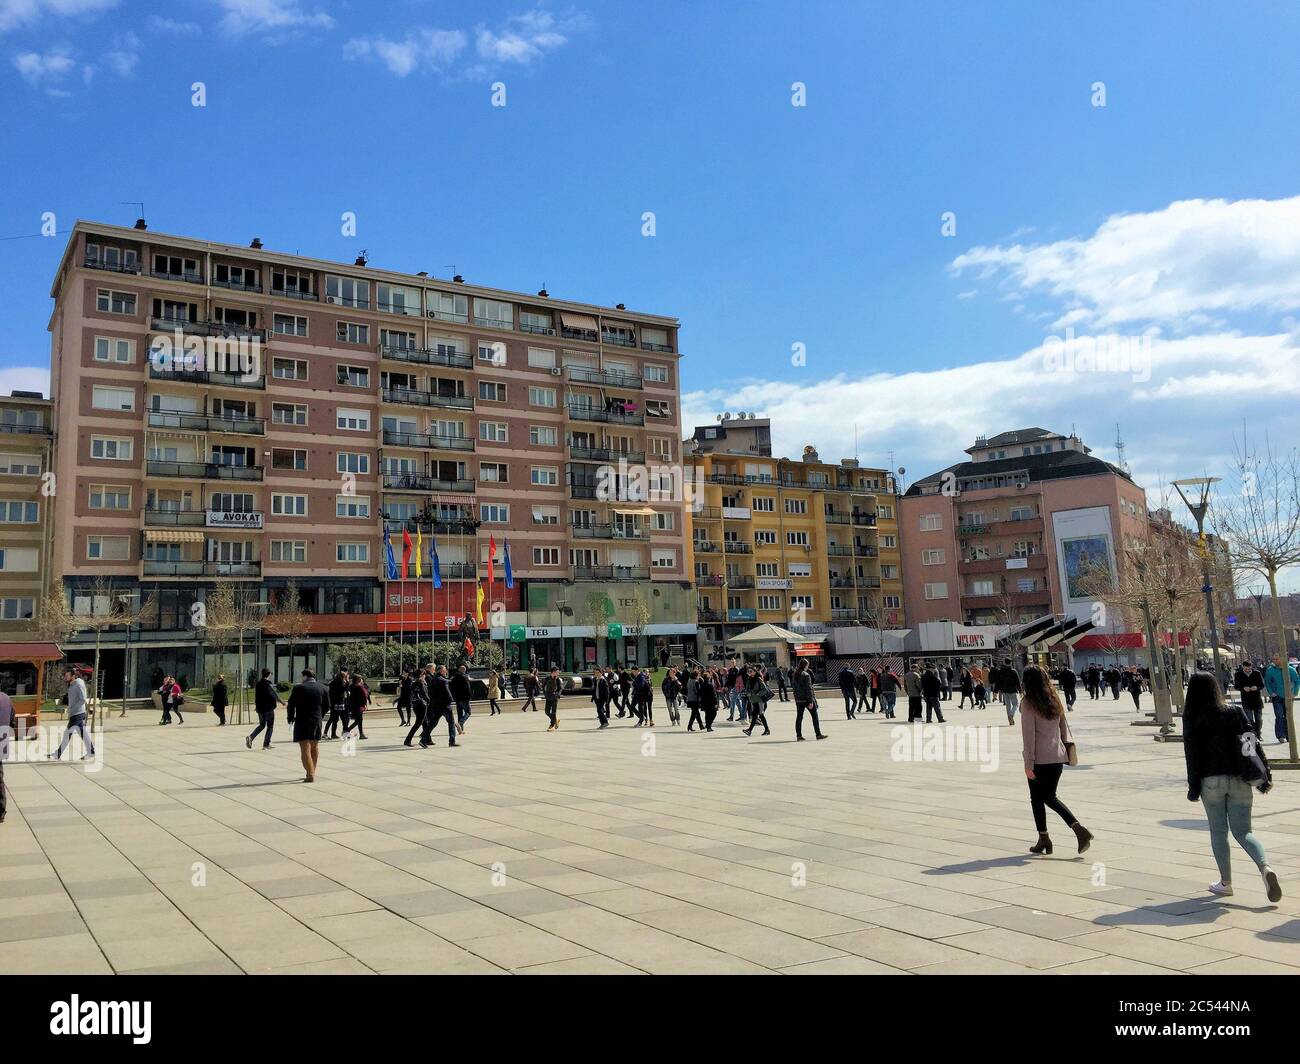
{"points": [[802, 543], [25, 512]]}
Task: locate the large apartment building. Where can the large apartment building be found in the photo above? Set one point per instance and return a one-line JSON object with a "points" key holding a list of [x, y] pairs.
{"points": [[801, 543], [26, 453], [234, 413], [1010, 534]]}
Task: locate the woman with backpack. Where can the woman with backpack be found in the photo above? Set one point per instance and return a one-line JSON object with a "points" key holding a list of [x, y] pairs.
{"points": [[1047, 750], [1224, 761]]}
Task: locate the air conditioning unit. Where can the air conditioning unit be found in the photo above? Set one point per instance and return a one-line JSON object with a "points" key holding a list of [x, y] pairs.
{"points": [[331, 299], [556, 371]]}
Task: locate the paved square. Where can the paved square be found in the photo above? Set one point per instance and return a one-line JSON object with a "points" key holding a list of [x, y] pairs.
{"points": [[585, 851]]}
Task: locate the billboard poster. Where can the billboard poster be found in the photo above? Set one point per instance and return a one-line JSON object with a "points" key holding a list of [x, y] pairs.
{"points": [[1084, 545], [1084, 557]]}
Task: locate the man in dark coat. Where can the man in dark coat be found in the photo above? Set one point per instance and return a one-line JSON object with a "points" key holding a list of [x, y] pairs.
{"points": [[220, 699], [460, 694], [848, 690], [308, 703], [338, 704], [440, 706], [419, 694], [265, 699], [1250, 682], [601, 693], [1069, 685], [931, 688]]}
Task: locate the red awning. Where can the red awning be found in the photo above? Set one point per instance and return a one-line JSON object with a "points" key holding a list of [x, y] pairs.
{"points": [[30, 652], [1126, 641]]}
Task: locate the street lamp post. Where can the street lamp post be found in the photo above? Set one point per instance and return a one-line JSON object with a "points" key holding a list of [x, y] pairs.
{"points": [[1258, 595], [561, 605], [1200, 487]]}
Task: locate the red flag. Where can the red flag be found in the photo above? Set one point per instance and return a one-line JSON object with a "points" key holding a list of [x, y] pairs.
{"points": [[469, 648], [406, 551], [492, 557]]}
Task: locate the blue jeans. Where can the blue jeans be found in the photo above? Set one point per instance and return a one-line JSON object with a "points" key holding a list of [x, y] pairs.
{"points": [[77, 724], [1279, 719], [462, 712], [890, 698], [1011, 700], [1227, 801]]}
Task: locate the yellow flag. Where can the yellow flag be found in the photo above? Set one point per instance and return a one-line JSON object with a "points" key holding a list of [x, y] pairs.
{"points": [[419, 553], [481, 596]]}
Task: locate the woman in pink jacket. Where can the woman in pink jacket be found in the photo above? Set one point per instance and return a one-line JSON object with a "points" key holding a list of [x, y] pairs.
{"points": [[1047, 739]]}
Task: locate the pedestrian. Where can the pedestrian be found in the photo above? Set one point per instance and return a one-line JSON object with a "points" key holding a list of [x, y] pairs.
{"points": [[757, 694], [708, 692], [849, 690], [1133, 682], [338, 704], [308, 703], [672, 689], [220, 700], [693, 682], [460, 693], [1112, 681], [945, 682], [624, 690], [967, 684], [780, 684], [932, 692], [1249, 681], [1274, 682], [1069, 683], [265, 699], [441, 707], [1009, 686], [531, 686], [7, 726], [419, 699], [494, 692], [514, 683], [805, 701], [1225, 760], [403, 701], [356, 699], [1047, 749], [602, 692], [862, 688], [169, 693], [78, 708], [912, 685], [552, 687], [889, 682]]}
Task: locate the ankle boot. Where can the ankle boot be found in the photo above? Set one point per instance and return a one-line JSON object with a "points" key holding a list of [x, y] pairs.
{"points": [[1083, 835], [1044, 844]]}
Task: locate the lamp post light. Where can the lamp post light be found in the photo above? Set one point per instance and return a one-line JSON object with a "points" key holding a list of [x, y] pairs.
{"points": [[1200, 488], [1257, 593]]}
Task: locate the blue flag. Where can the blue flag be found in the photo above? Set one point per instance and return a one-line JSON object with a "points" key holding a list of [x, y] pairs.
{"points": [[510, 575], [388, 556], [433, 559]]}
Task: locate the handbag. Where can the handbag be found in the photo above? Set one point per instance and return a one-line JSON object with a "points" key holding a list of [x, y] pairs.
{"points": [[1252, 766], [1071, 750]]}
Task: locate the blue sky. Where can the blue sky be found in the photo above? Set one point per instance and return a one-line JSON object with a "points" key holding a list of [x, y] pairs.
{"points": [[1165, 219]]}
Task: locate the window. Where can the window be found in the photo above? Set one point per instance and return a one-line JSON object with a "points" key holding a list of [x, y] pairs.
{"points": [[447, 306], [536, 321], [113, 450], [1022, 513], [541, 358], [546, 515], [541, 396], [397, 300], [493, 513], [19, 559], [108, 548], [889, 572], [796, 539], [655, 339], [657, 408], [493, 472], [663, 558], [655, 374], [113, 350], [885, 513], [112, 257], [934, 556], [110, 302], [352, 420], [289, 505], [109, 497], [112, 398], [291, 283], [352, 552], [493, 353], [353, 462], [545, 476], [800, 569], [17, 609], [889, 541], [494, 314], [20, 465], [288, 550], [663, 522], [289, 413], [765, 536], [546, 555], [796, 506], [938, 590], [290, 324], [234, 276], [18, 512], [763, 504], [492, 391], [931, 522], [542, 435], [352, 332], [493, 431], [288, 458], [769, 602], [801, 602], [289, 369], [1024, 548], [347, 292], [891, 602], [981, 587], [352, 507]]}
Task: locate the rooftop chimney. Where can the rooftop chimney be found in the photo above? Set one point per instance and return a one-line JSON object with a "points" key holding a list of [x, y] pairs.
{"points": [[256, 243], [139, 224], [544, 293], [423, 273], [360, 260], [459, 279], [619, 306]]}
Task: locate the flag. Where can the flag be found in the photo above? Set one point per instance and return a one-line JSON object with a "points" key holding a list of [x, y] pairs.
{"points": [[469, 647], [388, 555], [419, 553], [433, 560], [406, 551], [492, 557], [510, 576], [481, 596]]}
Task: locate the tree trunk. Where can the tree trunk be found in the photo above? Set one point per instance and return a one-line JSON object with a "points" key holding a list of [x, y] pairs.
{"points": [[1156, 661], [1288, 695], [1178, 663]]}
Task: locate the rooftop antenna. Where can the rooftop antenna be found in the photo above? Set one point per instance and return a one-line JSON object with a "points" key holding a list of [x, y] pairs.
{"points": [[452, 267], [1119, 449], [135, 203]]}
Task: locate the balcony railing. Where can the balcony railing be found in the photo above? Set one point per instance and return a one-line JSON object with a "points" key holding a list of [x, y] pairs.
{"points": [[189, 276], [289, 293], [605, 454], [864, 550], [208, 328], [428, 441], [429, 356], [202, 470], [612, 417], [537, 330], [837, 518], [221, 378], [237, 286], [835, 550], [617, 339], [735, 546], [740, 583], [182, 419], [608, 378], [608, 531], [868, 520], [611, 572], [26, 430], [704, 546], [156, 518], [703, 613], [421, 398], [192, 568], [424, 482], [647, 345], [707, 513], [585, 335], [111, 267]]}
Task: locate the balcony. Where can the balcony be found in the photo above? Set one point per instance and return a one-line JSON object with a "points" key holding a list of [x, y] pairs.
{"points": [[837, 551], [428, 356], [617, 339], [611, 572], [865, 550], [582, 490], [736, 513], [536, 330], [735, 546], [707, 513], [293, 293], [175, 518], [237, 286], [26, 430], [610, 417], [181, 419], [976, 566], [416, 397], [428, 441], [422, 482], [842, 581], [446, 570], [708, 615], [740, 583], [221, 378], [843, 613], [1013, 599], [704, 546], [864, 519], [605, 454], [111, 267], [869, 581], [465, 527], [188, 276], [191, 568], [585, 335], [202, 470], [209, 328], [608, 531], [1021, 527], [729, 478], [646, 345], [605, 378], [837, 518]]}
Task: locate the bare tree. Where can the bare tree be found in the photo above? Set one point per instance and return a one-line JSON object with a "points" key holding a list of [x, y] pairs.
{"points": [[250, 619], [218, 621], [1258, 516], [288, 620], [106, 608]]}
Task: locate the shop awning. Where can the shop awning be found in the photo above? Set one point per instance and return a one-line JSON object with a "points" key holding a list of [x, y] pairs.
{"points": [[577, 321], [644, 511], [172, 535]]}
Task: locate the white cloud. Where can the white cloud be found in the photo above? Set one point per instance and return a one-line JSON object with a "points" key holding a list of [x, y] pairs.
{"points": [[24, 378], [27, 13], [274, 17], [1187, 265], [170, 25], [524, 38], [45, 69], [124, 55], [423, 49]]}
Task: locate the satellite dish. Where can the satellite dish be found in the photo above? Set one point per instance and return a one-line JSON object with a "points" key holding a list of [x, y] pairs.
{"points": [[717, 417], [901, 471], [752, 415]]}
